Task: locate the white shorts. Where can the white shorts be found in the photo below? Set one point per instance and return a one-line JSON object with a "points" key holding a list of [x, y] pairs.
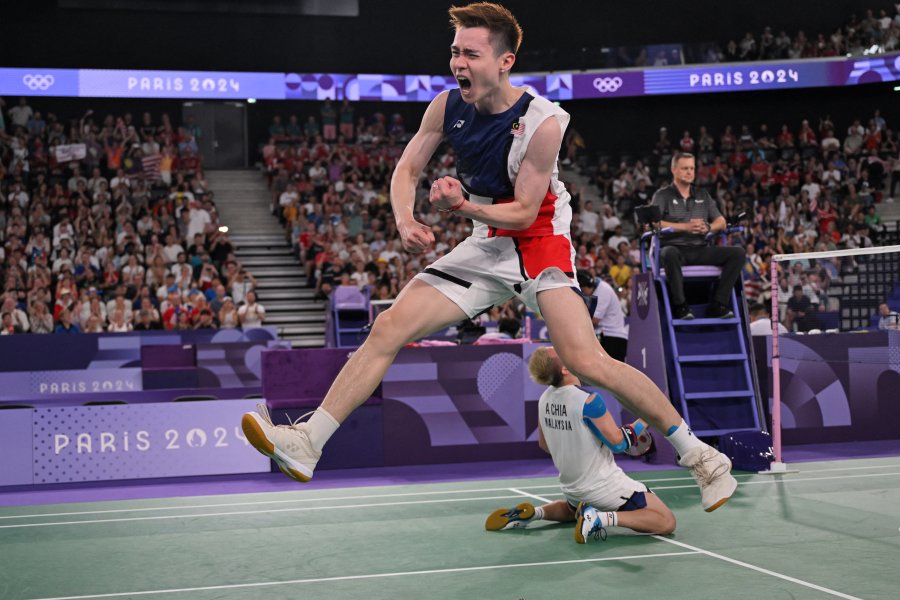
{"points": [[483, 272], [610, 493]]}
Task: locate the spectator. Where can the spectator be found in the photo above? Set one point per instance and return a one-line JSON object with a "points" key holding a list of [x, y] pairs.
{"points": [[887, 318], [65, 323], [760, 322], [228, 314], [40, 319], [251, 314], [799, 313]]}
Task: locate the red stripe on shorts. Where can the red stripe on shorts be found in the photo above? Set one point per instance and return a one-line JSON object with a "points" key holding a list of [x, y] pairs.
{"points": [[543, 252]]}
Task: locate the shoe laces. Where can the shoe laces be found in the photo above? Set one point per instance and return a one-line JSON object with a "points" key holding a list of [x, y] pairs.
{"points": [[263, 411], [597, 532], [703, 470]]}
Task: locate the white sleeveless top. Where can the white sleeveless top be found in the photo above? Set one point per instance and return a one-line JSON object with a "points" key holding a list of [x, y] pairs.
{"points": [[587, 470]]}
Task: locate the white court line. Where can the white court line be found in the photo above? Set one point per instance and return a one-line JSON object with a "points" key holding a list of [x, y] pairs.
{"points": [[256, 512], [374, 576], [766, 481], [293, 500], [760, 569], [742, 564], [372, 496], [517, 491]]}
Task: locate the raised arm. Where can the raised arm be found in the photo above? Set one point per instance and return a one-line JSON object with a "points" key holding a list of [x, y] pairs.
{"points": [[416, 236], [532, 184]]}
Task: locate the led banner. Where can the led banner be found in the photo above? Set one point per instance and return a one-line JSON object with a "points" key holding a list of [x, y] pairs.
{"points": [[39, 82], [46, 384], [93, 443], [180, 84], [422, 88], [735, 78]]}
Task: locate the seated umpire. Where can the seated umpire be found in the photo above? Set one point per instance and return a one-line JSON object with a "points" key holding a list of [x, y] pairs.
{"points": [[692, 214]]}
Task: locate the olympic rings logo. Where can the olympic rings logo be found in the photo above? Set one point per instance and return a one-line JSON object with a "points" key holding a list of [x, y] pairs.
{"points": [[38, 82], [606, 85]]}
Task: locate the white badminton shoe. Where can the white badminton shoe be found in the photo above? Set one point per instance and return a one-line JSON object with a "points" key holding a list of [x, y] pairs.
{"points": [[504, 518], [712, 471], [288, 445], [588, 524]]}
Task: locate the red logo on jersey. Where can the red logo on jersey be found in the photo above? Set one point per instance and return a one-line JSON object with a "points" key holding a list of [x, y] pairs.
{"points": [[518, 128]]}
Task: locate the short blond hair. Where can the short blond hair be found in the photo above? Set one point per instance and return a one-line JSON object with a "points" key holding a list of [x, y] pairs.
{"points": [[545, 368], [506, 33]]}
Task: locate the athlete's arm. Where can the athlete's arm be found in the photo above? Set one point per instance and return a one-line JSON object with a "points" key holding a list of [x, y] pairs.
{"points": [[602, 425], [416, 236], [542, 441], [532, 184]]}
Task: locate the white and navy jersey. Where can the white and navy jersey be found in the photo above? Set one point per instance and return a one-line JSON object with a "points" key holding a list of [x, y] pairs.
{"points": [[489, 151], [587, 471]]}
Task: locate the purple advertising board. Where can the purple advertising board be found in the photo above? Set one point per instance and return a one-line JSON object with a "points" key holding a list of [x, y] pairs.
{"points": [[739, 78], [44, 384], [15, 446], [86, 83], [835, 387], [179, 84], [93, 443], [608, 84]]}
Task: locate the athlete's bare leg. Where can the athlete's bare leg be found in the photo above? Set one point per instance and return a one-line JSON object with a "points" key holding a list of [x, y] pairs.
{"points": [[572, 334], [419, 310], [573, 339], [655, 518]]}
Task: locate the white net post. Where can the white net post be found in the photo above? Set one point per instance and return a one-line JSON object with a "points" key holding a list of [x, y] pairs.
{"points": [[778, 466]]}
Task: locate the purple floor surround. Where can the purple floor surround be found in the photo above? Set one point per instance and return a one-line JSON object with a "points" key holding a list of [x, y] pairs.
{"points": [[386, 476]]}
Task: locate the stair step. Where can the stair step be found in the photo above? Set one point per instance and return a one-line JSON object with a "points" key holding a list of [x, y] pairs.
{"points": [[285, 294], [306, 342], [713, 395], [705, 358], [287, 271], [295, 283], [276, 260], [253, 251], [290, 330], [294, 318], [257, 237], [303, 306], [695, 322]]}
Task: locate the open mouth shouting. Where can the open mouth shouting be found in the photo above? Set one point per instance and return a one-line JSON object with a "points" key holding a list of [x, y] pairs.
{"points": [[465, 85]]}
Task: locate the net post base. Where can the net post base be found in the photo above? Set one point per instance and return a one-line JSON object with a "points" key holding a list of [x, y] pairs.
{"points": [[778, 468]]}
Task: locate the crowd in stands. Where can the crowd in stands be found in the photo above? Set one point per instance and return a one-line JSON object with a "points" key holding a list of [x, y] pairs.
{"points": [[803, 187], [108, 225], [876, 32]]}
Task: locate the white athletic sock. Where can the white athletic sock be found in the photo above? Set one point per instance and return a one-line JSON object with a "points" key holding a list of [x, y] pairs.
{"points": [[538, 513], [321, 427], [683, 439], [608, 519]]}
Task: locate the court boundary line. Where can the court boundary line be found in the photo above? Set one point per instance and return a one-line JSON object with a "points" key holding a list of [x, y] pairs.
{"points": [[408, 494], [333, 507], [372, 576], [745, 564]]}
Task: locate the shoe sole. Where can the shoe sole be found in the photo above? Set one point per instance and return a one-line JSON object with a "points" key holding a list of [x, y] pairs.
{"points": [[579, 521], [498, 519], [725, 498], [255, 435]]}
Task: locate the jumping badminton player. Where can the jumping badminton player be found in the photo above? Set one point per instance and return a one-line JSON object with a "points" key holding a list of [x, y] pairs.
{"points": [[507, 142]]}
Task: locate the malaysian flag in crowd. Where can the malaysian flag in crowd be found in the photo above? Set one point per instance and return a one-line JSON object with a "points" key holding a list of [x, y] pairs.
{"points": [[151, 166]]}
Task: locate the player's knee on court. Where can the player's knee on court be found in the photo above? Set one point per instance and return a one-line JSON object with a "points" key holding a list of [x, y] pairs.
{"points": [[667, 522]]}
